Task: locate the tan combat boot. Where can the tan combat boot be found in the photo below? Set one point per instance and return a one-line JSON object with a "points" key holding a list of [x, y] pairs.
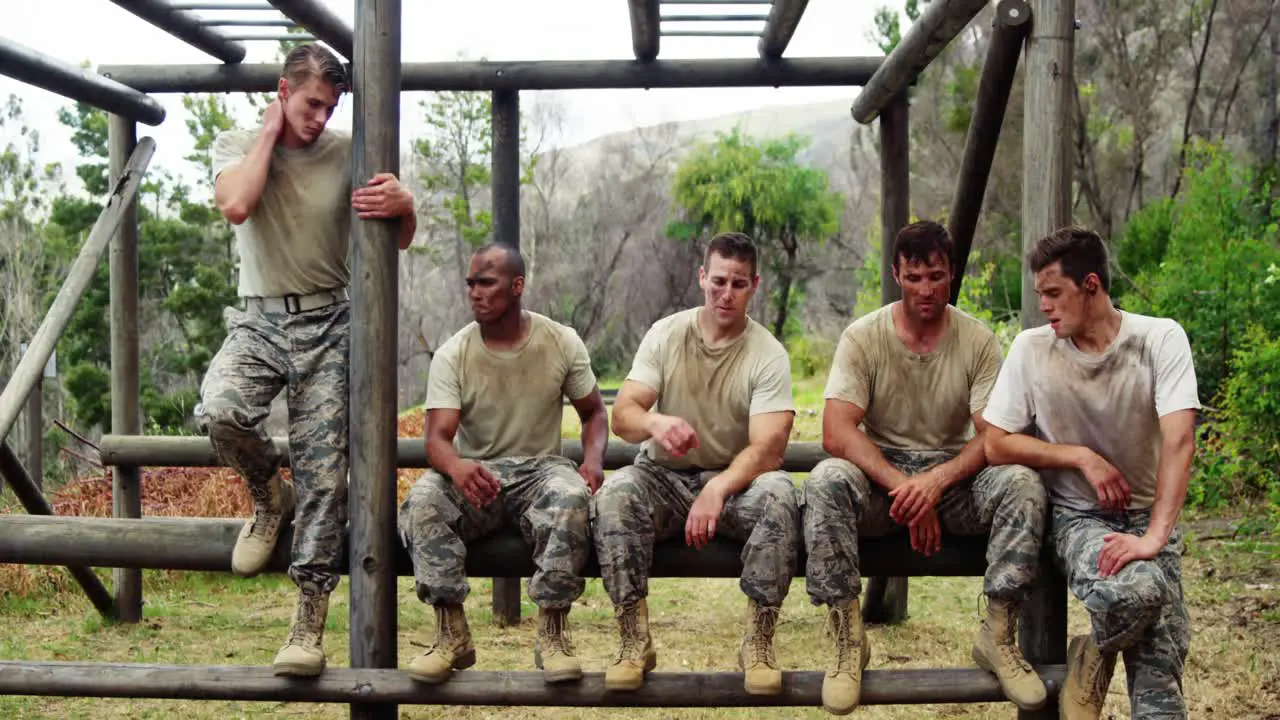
{"points": [[453, 649], [636, 655], [842, 685], [552, 651], [272, 508], [755, 656], [1088, 677], [302, 654], [995, 649]]}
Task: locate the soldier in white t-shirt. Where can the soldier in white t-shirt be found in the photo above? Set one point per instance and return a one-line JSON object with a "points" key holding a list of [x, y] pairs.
{"points": [[287, 189], [494, 408], [1104, 403]]}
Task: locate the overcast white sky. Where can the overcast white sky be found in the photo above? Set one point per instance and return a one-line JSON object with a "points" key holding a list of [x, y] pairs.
{"points": [[100, 32]]}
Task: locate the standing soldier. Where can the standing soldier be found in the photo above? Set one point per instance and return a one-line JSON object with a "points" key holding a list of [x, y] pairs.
{"points": [[494, 408], [903, 423], [709, 395], [286, 187]]}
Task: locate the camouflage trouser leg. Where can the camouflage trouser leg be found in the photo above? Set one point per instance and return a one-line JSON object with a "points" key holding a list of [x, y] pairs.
{"points": [[1139, 611], [307, 353], [643, 503], [545, 497], [841, 503]]}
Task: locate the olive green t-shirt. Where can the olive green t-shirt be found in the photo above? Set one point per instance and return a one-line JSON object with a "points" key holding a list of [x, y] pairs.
{"points": [[914, 401], [511, 400], [296, 239], [715, 390]]}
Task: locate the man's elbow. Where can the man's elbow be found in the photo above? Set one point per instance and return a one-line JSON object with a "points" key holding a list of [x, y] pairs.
{"points": [[235, 212], [994, 447]]}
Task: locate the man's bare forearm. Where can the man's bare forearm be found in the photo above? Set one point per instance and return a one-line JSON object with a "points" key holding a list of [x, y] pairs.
{"points": [[972, 458], [1023, 449], [1172, 476], [754, 461], [595, 435], [442, 455], [854, 445]]}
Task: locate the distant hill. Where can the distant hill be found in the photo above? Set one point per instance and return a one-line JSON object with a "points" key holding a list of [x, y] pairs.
{"points": [[828, 125]]}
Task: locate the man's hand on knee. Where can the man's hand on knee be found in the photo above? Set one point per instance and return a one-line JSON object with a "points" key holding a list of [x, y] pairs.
{"points": [[918, 495], [700, 526], [1119, 549], [475, 482]]}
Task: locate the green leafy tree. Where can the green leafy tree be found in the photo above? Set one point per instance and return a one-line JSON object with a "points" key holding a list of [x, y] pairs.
{"points": [[186, 271], [888, 29], [456, 156], [1223, 232], [762, 189]]}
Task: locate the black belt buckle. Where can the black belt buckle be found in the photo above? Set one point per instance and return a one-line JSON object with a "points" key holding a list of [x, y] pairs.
{"points": [[290, 307]]}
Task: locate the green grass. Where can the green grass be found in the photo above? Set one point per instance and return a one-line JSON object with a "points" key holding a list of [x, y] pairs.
{"points": [[215, 619]]}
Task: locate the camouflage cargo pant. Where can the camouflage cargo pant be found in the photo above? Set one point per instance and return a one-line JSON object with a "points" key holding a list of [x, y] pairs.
{"points": [[645, 502], [544, 496], [840, 503], [1138, 612], [306, 353]]}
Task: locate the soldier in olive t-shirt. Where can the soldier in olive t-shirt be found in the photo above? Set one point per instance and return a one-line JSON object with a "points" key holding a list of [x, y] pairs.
{"points": [[709, 394], [286, 188], [494, 407], [906, 389]]}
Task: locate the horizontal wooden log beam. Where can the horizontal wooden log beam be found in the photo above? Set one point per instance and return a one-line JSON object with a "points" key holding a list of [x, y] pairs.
{"points": [[192, 451], [476, 687], [205, 544], [526, 75]]}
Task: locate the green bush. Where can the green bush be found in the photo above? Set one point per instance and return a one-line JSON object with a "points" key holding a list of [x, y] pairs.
{"points": [[1222, 240], [811, 356], [1240, 459]]}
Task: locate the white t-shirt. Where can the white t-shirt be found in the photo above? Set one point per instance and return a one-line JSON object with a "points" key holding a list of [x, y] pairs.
{"points": [[1111, 402]]}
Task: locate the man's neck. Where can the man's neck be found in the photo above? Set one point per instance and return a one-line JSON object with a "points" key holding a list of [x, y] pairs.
{"points": [[507, 330], [290, 140], [715, 335], [1100, 330], [919, 335]]}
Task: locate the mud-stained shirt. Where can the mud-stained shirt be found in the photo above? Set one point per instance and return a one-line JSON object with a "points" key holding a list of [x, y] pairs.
{"points": [[511, 401], [296, 239], [915, 401], [714, 389], [1110, 402]]}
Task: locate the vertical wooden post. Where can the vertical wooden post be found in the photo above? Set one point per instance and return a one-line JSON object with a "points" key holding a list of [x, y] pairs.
{"points": [[895, 187], [372, 370], [1013, 19], [1046, 134], [126, 392], [885, 600], [505, 177], [34, 429], [35, 434], [1046, 206]]}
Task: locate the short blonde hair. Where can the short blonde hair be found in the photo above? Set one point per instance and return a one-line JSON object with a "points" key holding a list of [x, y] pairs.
{"points": [[314, 61]]}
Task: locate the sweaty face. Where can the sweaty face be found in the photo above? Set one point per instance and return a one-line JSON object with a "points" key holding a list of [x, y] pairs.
{"points": [[727, 285], [308, 107], [490, 287], [926, 287], [1061, 300]]}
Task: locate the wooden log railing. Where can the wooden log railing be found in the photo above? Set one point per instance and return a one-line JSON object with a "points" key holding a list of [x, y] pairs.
{"points": [[471, 687], [205, 544], [168, 451]]}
